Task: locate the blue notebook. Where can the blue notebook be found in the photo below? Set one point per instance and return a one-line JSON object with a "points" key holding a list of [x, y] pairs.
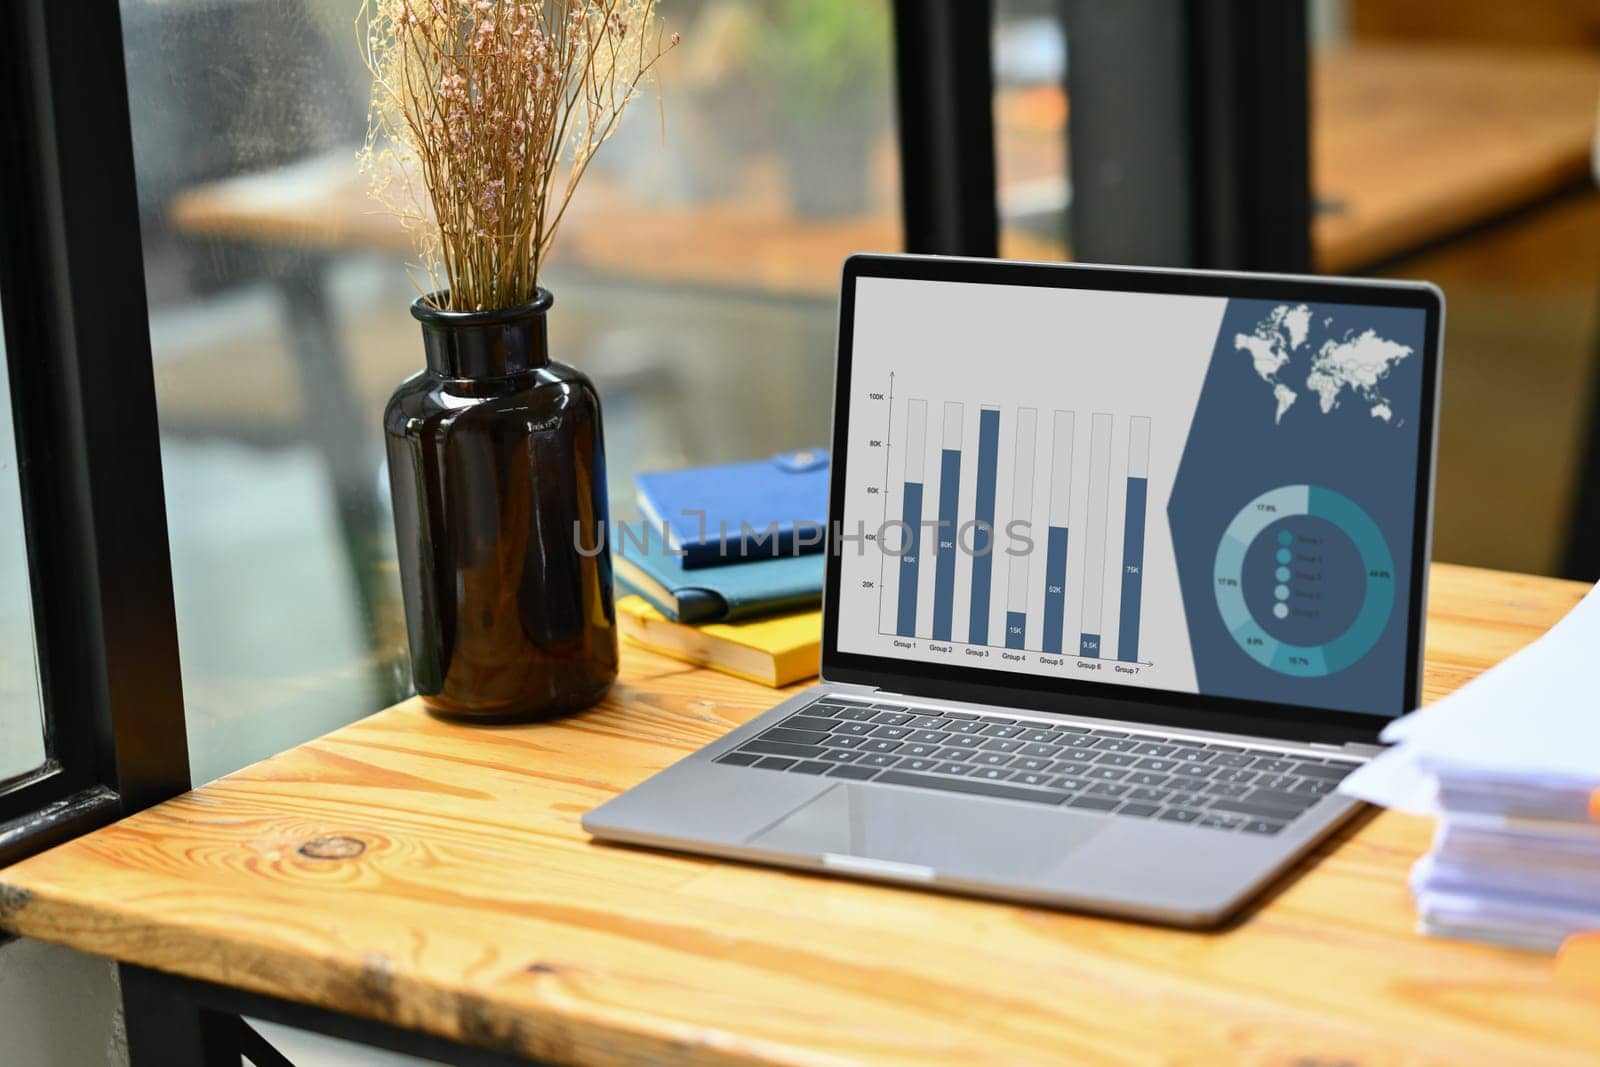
{"points": [[740, 511], [720, 593]]}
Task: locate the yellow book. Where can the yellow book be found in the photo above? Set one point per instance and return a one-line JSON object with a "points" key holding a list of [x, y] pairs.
{"points": [[1579, 959], [774, 651]]}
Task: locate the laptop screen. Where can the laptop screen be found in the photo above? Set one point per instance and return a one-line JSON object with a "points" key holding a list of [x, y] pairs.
{"points": [[1176, 491]]}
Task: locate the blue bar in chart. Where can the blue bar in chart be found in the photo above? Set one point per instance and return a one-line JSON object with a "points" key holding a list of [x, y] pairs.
{"points": [[1055, 587], [1055, 556], [944, 571], [1094, 551], [983, 530], [1133, 538], [911, 515], [1016, 628]]}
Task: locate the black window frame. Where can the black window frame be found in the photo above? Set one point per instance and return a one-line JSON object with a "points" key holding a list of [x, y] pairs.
{"points": [[1189, 141], [83, 397], [1190, 134]]}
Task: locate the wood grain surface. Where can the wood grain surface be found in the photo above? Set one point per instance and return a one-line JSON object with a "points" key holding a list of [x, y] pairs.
{"points": [[435, 876]]}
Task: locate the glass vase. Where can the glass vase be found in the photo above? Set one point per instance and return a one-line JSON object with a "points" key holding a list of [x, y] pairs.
{"points": [[497, 470]]}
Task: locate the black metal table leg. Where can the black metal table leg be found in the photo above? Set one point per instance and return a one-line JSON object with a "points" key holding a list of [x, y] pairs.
{"points": [[1583, 537], [181, 1022], [258, 1050], [168, 1029]]}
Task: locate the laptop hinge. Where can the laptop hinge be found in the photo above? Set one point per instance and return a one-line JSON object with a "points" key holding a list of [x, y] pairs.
{"points": [[851, 687], [1350, 748]]}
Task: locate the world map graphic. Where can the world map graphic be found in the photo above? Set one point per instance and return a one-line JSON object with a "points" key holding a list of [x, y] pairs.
{"points": [[1295, 352]]}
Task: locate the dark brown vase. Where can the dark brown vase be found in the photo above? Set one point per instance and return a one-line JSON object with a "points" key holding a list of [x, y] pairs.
{"points": [[497, 467]]}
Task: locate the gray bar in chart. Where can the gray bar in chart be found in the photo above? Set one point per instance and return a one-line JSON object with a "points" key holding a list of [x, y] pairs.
{"points": [[911, 515], [1021, 510], [1094, 550], [944, 571]]}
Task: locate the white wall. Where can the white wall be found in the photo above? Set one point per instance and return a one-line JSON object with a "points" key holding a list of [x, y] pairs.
{"points": [[58, 1008]]}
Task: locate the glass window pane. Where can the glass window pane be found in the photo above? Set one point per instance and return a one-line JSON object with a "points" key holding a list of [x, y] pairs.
{"points": [[1030, 123], [695, 281], [21, 708]]}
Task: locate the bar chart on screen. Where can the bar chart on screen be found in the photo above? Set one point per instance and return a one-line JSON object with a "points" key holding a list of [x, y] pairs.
{"points": [[1154, 490], [1015, 529]]}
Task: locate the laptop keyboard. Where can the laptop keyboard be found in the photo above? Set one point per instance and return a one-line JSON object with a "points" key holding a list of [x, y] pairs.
{"points": [[1136, 775]]}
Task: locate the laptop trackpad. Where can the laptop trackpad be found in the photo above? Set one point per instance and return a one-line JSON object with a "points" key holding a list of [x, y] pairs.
{"points": [[950, 834]]}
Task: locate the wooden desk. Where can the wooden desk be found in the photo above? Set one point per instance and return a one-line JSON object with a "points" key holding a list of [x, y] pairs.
{"points": [[474, 907]]}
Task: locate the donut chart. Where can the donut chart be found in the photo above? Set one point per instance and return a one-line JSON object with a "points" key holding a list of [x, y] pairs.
{"points": [[1318, 559]]}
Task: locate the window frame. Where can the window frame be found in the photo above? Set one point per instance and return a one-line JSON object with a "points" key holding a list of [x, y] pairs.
{"points": [[89, 460], [1189, 144], [944, 102], [1190, 133]]}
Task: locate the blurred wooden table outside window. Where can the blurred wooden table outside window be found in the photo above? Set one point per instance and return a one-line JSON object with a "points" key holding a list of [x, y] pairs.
{"points": [[1409, 145]]}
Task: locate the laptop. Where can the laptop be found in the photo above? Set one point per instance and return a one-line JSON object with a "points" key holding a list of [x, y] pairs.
{"points": [[1126, 570]]}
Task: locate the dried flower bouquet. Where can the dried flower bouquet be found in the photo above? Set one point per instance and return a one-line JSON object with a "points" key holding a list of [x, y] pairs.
{"points": [[495, 108]]}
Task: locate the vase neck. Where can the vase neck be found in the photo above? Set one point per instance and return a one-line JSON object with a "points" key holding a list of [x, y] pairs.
{"points": [[485, 344]]}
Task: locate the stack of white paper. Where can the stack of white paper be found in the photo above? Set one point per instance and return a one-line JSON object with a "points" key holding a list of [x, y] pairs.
{"points": [[1511, 763]]}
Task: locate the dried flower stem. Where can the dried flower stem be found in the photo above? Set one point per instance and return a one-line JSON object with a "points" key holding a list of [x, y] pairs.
{"points": [[497, 108]]}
